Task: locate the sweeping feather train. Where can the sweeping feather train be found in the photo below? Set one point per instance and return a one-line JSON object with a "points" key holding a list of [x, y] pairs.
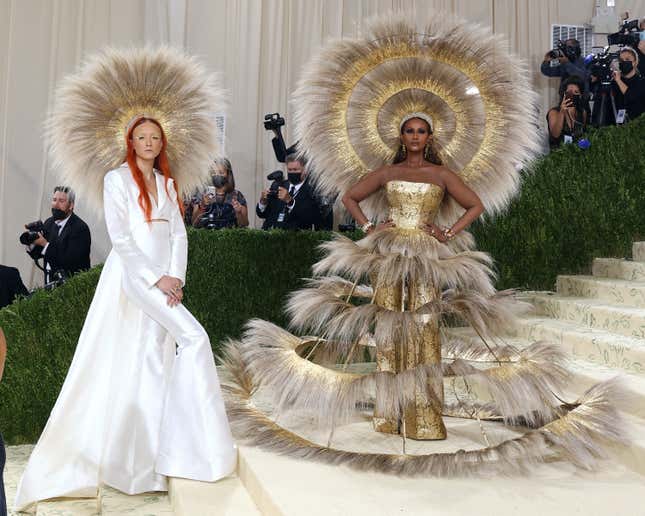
{"points": [[395, 295]]}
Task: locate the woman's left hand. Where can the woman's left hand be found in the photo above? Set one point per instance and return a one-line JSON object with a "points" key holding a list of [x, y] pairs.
{"points": [[172, 288], [435, 231], [236, 206]]}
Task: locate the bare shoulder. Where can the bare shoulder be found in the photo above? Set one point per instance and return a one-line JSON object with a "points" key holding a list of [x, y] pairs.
{"points": [[447, 175], [379, 175]]}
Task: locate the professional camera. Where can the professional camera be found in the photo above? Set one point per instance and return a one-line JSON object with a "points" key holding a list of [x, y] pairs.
{"points": [[278, 180], [600, 66], [571, 52], [274, 122], [33, 228], [628, 34]]}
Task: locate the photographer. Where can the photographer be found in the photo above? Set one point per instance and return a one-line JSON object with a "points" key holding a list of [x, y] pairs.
{"points": [[628, 87], [565, 61], [568, 121], [222, 206], [290, 204], [63, 240]]}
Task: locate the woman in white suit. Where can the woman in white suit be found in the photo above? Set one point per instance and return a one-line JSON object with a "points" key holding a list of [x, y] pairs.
{"points": [[142, 400]]}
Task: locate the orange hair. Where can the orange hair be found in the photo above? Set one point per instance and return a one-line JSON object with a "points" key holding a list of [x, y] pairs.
{"points": [[161, 163]]}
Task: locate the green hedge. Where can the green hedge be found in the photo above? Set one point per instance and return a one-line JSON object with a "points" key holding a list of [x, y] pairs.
{"points": [[232, 275], [575, 205]]}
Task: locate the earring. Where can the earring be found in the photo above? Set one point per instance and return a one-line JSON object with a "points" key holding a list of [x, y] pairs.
{"points": [[404, 150], [426, 150]]}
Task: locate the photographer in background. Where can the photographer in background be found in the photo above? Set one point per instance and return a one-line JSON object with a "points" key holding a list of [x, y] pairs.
{"points": [[629, 86], [63, 240], [565, 61], [289, 204], [221, 206], [568, 121]]}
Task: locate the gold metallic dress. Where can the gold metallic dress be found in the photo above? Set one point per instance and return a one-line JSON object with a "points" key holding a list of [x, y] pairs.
{"points": [[377, 326]]}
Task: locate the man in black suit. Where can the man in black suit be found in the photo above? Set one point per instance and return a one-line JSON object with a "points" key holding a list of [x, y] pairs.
{"points": [[65, 242], [294, 206], [11, 285]]}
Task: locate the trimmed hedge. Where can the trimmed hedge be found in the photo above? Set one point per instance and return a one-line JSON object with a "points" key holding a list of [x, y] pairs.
{"points": [[575, 205], [233, 275]]}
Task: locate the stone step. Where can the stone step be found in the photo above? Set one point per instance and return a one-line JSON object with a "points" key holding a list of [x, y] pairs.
{"points": [[593, 313], [619, 268], [226, 497], [70, 507], [291, 487], [116, 503], [614, 291], [590, 344], [638, 251]]}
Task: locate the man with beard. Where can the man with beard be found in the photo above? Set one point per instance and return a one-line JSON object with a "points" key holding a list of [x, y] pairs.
{"points": [[65, 241]]}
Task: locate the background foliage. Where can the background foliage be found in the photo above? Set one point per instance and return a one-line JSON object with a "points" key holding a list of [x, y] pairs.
{"points": [[574, 205]]}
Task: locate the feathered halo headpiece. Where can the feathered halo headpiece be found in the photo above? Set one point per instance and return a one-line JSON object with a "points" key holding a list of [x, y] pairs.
{"points": [[94, 107], [353, 96]]}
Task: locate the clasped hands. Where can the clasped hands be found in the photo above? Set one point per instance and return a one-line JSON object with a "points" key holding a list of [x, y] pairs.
{"points": [[172, 288]]}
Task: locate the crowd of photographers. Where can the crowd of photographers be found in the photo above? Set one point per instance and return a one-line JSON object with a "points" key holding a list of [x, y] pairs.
{"points": [[602, 89]]}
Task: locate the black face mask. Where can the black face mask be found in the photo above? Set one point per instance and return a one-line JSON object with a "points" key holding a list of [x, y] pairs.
{"points": [[625, 67], [219, 181], [58, 214], [294, 177]]}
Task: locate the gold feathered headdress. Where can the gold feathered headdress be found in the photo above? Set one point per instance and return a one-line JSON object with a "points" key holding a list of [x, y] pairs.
{"points": [[353, 96], [92, 109]]}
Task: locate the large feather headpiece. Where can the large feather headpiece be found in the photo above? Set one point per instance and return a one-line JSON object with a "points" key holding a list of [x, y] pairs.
{"points": [[92, 109], [353, 96]]}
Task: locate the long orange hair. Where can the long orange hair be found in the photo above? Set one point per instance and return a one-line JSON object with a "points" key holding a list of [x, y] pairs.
{"points": [[161, 163]]}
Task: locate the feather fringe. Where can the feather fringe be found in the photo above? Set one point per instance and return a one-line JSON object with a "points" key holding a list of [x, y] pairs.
{"points": [[86, 128], [579, 436]]}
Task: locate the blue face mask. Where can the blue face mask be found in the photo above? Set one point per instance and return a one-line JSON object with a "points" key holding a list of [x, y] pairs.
{"points": [[643, 35]]}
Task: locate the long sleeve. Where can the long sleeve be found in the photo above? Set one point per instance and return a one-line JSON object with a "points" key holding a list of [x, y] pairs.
{"points": [[115, 201], [178, 240]]}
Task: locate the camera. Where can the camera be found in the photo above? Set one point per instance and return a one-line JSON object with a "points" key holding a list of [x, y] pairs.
{"points": [[273, 122], [600, 66], [628, 34], [571, 52], [33, 228], [576, 100], [347, 228], [278, 180]]}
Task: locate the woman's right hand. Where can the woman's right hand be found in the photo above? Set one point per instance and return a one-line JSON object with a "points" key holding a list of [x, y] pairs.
{"points": [[566, 104], [172, 288]]}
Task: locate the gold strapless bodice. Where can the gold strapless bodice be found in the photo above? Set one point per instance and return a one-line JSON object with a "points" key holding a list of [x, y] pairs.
{"points": [[413, 204]]}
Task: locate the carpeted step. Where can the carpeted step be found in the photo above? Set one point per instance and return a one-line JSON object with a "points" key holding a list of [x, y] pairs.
{"points": [[593, 313], [612, 290], [619, 268], [590, 344], [226, 497], [638, 251]]}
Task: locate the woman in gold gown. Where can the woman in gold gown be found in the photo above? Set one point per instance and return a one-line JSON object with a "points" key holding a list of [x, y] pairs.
{"points": [[385, 323]]}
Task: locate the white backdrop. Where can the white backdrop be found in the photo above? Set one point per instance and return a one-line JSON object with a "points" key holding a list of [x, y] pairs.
{"points": [[259, 47]]}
